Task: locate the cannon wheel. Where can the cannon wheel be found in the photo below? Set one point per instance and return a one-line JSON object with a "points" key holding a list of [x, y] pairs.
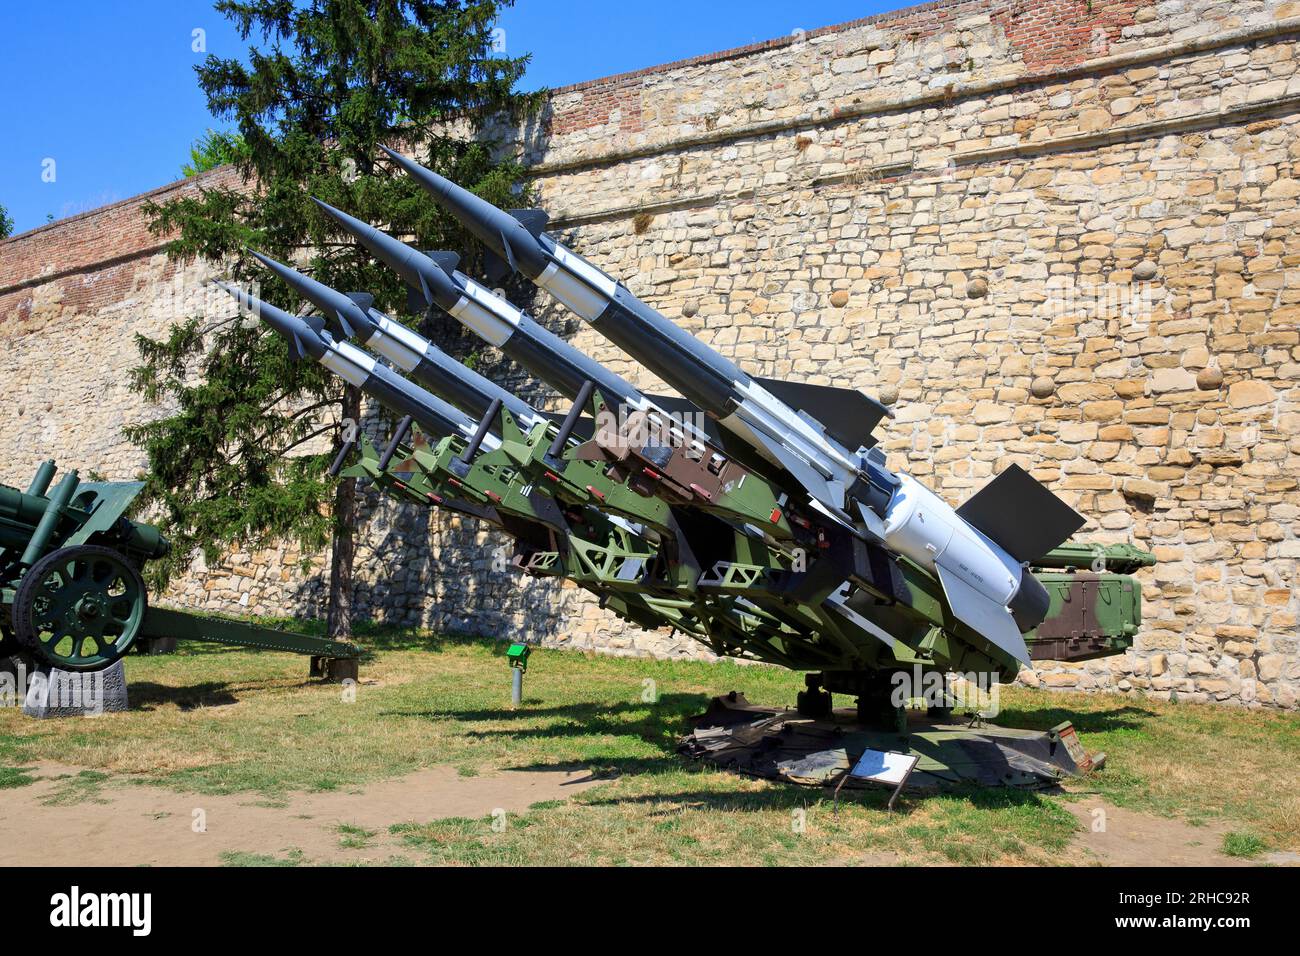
{"points": [[80, 608]]}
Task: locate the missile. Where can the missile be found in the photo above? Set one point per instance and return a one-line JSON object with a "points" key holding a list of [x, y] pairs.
{"points": [[434, 279], [354, 315], [819, 436], [307, 337], [792, 440]]}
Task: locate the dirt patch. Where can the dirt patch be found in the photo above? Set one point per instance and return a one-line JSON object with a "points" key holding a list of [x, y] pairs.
{"points": [[74, 817], [1115, 836]]}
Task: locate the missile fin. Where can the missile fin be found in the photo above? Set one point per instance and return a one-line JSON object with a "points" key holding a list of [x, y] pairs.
{"points": [[345, 327], [297, 352], [839, 603], [416, 303], [534, 220], [1020, 516], [827, 492], [510, 253], [982, 615], [446, 261], [364, 299], [494, 267], [846, 414], [872, 521]]}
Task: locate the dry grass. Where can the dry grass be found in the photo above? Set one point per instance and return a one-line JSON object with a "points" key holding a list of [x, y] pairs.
{"points": [[225, 721]]}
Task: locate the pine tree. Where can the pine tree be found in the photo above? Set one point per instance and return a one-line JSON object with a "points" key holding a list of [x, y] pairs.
{"points": [[325, 82], [214, 148]]}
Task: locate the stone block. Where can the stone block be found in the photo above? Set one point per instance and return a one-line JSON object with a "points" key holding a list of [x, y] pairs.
{"points": [[52, 692]]}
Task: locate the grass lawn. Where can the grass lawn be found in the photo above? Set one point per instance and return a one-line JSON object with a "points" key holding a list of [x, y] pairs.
{"points": [[220, 721]]}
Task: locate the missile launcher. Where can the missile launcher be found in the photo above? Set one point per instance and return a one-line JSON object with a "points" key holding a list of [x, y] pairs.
{"points": [[756, 515]]}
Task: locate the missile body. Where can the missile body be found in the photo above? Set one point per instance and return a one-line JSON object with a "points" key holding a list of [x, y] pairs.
{"points": [[593, 539], [986, 587], [354, 315], [435, 281], [496, 321], [354, 366], [781, 435]]}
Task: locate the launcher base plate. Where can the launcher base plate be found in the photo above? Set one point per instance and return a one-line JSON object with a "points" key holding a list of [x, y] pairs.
{"points": [[775, 744]]}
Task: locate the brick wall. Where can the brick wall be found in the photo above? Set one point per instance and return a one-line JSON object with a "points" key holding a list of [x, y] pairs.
{"points": [[1055, 233]]}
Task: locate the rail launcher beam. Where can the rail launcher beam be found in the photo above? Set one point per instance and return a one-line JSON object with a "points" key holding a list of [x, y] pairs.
{"points": [[71, 592], [1093, 612]]}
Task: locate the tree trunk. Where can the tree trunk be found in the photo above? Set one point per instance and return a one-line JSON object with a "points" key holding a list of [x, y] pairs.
{"points": [[344, 547]]}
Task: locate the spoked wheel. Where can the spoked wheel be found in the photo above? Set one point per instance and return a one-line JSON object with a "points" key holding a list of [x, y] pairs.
{"points": [[79, 608]]}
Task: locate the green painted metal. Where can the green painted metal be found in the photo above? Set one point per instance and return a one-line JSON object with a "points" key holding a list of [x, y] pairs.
{"points": [[765, 598], [517, 656], [212, 629], [80, 607], [70, 587]]}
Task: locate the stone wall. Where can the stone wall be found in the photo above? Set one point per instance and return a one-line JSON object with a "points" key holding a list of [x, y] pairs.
{"points": [[1060, 233]]}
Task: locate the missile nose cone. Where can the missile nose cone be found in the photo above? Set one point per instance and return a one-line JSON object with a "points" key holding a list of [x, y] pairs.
{"points": [[449, 194], [456, 200], [303, 339], [427, 177], [344, 315], [429, 279], [349, 223], [245, 300], [502, 233]]}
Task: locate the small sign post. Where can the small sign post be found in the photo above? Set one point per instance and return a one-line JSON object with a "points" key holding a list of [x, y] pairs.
{"points": [[881, 766], [517, 655]]}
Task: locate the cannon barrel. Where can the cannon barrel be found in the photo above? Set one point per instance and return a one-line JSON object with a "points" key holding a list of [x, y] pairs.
{"points": [[19, 515], [55, 509], [41, 480], [33, 523]]}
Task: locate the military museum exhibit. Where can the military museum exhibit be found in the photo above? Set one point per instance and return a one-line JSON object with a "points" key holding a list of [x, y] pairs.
{"points": [[726, 512], [74, 598], [866, 443]]}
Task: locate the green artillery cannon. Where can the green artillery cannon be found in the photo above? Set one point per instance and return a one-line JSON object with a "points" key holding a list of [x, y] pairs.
{"points": [[71, 593]]}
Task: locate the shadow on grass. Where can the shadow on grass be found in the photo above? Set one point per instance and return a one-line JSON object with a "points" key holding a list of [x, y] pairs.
{"points": [[659, 724], [370, 635], [146, 695], [377, 636], [612, 768], [785, 795], [1125, 717], [779, 796]]}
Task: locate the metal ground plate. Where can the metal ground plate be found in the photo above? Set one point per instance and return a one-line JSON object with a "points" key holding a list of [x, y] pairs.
{"points": [[783, 745]]}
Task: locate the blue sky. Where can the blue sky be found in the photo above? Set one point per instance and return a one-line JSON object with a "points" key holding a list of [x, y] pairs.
{"points": [[100, 101]]}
